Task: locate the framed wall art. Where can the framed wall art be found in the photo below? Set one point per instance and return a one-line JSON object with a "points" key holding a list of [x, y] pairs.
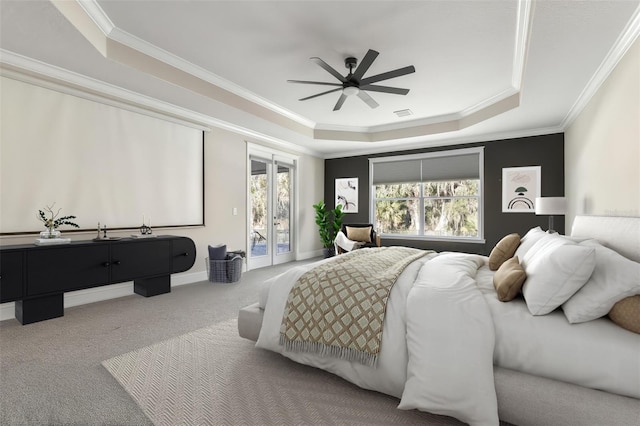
{"points": [[520, 187], [347, 194]]}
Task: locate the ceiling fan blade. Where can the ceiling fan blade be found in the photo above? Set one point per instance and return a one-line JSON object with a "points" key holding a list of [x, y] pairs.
{"points": [[314, 82], [387, 75], [365, 64], [341, 100], [320, 94], [329, 69], [384, 89], [367, 99]]}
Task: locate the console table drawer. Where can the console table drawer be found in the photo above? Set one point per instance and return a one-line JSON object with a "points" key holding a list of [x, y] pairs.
{"points": [[65, 269], [11, 267], [184, 254], [140, 259]]}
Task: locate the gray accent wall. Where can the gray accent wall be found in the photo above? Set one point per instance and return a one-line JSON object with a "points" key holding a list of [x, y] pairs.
{"points": [[546, 151]]}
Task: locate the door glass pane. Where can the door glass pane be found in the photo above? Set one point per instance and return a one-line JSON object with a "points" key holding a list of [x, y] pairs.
{"points": [[259, 233], [283, 210]]}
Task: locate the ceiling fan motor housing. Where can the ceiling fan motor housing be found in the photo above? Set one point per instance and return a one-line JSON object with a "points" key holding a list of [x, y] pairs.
{"points": [[352, 85], [350, 62]]}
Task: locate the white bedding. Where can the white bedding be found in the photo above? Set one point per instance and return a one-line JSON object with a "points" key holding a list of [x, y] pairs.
{"points": [[596, 354], [390, 375], [450, 341]]}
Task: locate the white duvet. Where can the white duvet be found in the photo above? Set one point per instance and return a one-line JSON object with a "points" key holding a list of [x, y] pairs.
{"points": [[445, 329]]}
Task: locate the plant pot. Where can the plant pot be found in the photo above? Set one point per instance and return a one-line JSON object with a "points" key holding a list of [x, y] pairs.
{"points": [[329, 252]]}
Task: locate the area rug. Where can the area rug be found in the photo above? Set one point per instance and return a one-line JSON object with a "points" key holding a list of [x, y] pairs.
{"points": [[214, 377]]}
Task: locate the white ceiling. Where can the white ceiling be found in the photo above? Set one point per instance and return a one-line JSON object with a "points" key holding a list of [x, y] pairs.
{"points": [[484, 69]]}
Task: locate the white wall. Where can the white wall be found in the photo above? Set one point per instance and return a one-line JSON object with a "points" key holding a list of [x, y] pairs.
{"points": [[602, 147], [311, 191]]}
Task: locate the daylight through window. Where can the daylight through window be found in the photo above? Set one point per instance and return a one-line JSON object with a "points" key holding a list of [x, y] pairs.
{"points": [[432, 195]]}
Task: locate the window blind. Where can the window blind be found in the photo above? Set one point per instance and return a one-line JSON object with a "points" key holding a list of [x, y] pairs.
{"points": [[444, 165]]}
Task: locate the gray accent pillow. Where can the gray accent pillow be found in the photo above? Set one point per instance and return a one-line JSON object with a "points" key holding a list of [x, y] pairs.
{"points": [[218, 252]]}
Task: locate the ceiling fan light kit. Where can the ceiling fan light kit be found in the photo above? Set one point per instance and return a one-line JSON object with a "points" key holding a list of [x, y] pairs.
{"points": [[354, 83], [350, 90]]}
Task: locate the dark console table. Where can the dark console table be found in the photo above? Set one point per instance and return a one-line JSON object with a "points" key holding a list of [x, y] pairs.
{"points": [[36, 277]]}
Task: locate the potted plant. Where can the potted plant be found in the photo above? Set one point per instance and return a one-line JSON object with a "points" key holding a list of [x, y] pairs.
{"points": [[329, 223], [53, 222]]}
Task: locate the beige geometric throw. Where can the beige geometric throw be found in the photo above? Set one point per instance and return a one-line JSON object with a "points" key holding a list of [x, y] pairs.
{"points": [[338, 308]]}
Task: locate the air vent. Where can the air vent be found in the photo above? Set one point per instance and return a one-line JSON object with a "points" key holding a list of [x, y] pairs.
{"points": [[403, 112]]}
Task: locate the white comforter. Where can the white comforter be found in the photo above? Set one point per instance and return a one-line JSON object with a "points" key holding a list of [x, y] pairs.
{"points": [[445, 329]]}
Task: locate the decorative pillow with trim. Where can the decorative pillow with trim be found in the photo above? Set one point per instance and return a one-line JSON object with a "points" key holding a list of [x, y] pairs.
{"points": [[508, 279], [504, 250], [626, 313], [361, 234]]}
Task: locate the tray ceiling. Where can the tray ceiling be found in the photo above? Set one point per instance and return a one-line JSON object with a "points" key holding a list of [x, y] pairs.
{"points": [[483, 68]]}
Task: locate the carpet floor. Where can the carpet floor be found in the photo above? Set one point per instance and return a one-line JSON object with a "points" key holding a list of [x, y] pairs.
{"points": [[212, 376]]}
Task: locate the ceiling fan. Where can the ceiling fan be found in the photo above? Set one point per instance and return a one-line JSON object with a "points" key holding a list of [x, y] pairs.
{"points": [[354, 83]]}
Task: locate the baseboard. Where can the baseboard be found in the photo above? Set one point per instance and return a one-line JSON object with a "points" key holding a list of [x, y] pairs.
{"points": [[188, 278], [7, 311], [98, 294], [309, 254]]}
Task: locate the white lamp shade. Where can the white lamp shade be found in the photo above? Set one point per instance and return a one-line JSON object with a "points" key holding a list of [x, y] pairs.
{"points": [[550, 205]]}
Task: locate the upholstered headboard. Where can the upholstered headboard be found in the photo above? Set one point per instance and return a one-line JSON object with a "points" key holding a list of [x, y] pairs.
{"points": [[621, 234]]}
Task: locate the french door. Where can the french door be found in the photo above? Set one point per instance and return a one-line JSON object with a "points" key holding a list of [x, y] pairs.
{"points": [[271, 224]]}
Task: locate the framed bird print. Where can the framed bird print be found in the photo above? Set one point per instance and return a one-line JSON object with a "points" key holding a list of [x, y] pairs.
{"points": [[347, 194], [520, 187]]}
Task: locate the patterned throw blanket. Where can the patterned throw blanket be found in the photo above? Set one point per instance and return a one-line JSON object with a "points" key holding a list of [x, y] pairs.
{"points": [[338, 308]]}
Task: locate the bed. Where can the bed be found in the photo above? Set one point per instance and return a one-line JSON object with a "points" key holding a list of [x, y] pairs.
{"points": [[488, 358]]}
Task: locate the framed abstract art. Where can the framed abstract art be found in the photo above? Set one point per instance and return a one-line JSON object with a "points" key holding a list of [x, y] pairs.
{"points": [[347, 194], [520, 187]]}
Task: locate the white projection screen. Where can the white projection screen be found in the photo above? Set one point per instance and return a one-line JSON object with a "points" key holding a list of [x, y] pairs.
{"points": [[97, 162]]}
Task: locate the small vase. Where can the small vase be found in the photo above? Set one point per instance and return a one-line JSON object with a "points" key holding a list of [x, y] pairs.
{"points": [[49, 233]]}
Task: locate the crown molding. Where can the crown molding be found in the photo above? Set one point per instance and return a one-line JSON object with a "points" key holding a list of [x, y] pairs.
{"points": [[32, 71], [95, 12], [453, 119], [110, 31], [505, 101], [456, 140], [617, 52], [436, 124], [523, 35], [28, 70]]}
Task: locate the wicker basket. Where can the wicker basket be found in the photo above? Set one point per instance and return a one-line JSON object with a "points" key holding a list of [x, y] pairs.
{"points": [[224, 271]]}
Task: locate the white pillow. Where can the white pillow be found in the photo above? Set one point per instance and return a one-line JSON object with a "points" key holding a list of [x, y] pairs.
{"points": [[526, 242], [556, 268], [614, 278]]}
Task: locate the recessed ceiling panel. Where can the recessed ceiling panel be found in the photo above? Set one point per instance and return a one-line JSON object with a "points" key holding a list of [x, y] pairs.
{"points": [[463, 52]]}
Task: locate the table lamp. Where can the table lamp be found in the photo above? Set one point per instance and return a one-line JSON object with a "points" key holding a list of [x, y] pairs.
{"points": [[550, 206]]}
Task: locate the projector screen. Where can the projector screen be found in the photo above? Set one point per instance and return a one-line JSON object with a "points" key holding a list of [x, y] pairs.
{"points": [[97, 162]]}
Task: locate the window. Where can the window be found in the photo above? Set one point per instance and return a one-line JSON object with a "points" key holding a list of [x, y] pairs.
{"points": [[434, 195]]}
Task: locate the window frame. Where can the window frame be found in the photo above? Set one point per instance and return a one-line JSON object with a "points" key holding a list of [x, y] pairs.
{"points": [[431, 155]]}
